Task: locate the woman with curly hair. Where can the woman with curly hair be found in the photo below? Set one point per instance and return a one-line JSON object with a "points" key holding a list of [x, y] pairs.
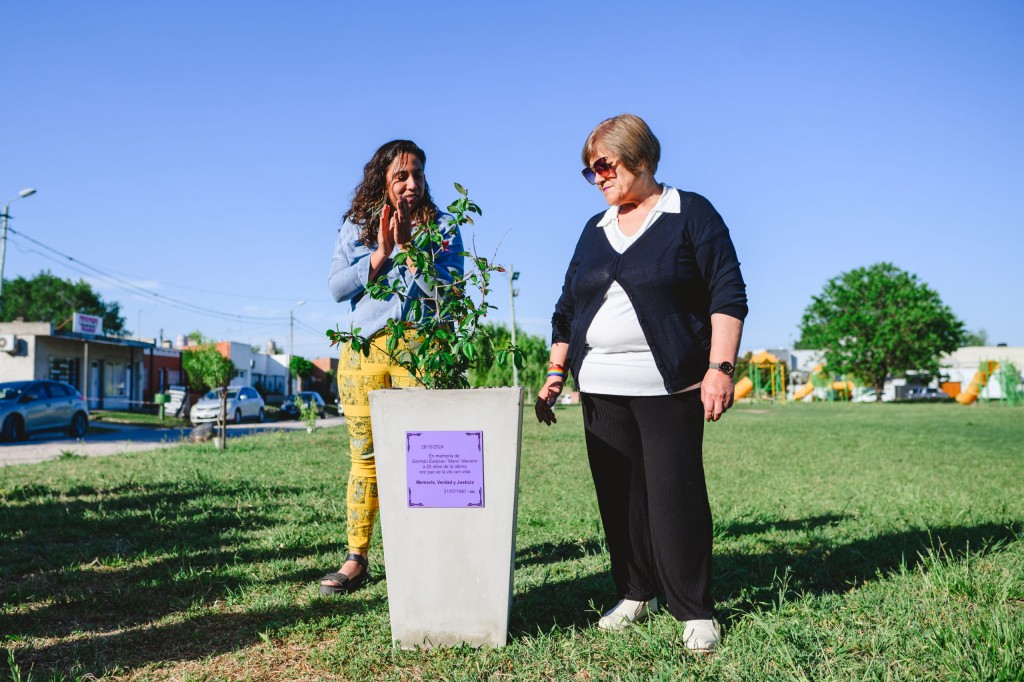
{"points": [[390, 202]]}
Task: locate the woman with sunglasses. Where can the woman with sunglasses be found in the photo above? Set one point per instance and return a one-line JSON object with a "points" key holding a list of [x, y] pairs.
{"points": [[649, 324], [392, 199]]}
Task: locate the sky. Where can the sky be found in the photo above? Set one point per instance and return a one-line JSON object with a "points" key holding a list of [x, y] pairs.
{"points": [[192, 160]]}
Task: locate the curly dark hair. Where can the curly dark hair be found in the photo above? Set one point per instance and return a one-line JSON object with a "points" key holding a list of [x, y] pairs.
{"points": [[371, 195]]}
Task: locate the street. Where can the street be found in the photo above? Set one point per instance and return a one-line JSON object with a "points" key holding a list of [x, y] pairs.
{"points": [[119, 438]]}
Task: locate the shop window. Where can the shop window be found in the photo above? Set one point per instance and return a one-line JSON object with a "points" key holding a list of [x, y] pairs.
{"points": [[66, 370], [115, 384]]}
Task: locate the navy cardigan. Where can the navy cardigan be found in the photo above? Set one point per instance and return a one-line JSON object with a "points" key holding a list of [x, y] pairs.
{"points": [[676, 274]]}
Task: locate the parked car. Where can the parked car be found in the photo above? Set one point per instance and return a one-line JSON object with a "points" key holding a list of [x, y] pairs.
{"points": [[28, 407], [289, 410], [243, 403], [931, 395]]}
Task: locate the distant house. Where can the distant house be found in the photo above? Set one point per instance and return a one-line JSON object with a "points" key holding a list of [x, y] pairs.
{"points": [[110, 372], [267, 373]]}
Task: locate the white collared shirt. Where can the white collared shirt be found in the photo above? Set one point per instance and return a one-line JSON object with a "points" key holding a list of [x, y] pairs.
{"points": [[620, 361]]}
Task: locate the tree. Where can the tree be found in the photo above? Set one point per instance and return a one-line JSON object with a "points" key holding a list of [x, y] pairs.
{"points": [[488, 372], [874, 321], [300, 368], [978, 338], [48, 298], [206, 370]]}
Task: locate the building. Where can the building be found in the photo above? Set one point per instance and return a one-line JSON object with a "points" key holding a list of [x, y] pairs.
{"points": [[108, 371], [267, 373]]}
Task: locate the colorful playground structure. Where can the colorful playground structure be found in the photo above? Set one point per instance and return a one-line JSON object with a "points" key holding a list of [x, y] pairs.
{"points": [[985, 371], [1002, 378], [830, 388], [994, 382], [765, 380]]}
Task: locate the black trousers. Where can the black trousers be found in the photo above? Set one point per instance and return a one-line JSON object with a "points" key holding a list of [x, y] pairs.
{"points": [[647, 463]]}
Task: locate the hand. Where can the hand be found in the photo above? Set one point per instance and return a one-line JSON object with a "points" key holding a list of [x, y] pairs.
{"points": [[386, 232], [716, 392], [401, 224], [546, 399]]}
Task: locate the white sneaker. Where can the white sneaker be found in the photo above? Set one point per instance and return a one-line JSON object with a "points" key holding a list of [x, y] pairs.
{"points": [[627, 612], [702, 635]]}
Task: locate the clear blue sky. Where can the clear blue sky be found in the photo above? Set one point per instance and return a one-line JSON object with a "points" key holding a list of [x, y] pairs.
{"points": [[205, 151]]}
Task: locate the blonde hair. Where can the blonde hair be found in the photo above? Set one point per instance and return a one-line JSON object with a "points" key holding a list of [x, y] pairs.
{"points": [[629, 138]]}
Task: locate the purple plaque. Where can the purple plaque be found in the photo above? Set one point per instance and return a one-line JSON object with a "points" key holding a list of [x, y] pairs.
{"points": [[445, 468]]}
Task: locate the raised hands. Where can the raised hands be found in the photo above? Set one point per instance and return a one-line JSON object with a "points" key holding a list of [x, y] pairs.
{"points": [[395, 229]]}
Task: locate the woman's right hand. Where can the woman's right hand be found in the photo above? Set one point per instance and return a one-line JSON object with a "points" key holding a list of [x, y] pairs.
{"points": [[546, 399], [385, 242], [386, 232]]}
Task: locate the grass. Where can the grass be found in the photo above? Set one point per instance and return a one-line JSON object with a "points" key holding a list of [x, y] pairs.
{"points": [[851, 542], [136, 419]]}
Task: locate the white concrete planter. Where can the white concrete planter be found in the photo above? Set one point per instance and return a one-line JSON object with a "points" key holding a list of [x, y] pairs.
{"points": [[449, 568]]}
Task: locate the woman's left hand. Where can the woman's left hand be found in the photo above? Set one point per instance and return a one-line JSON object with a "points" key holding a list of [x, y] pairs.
{"points": [[401, 224], [716, 392]]}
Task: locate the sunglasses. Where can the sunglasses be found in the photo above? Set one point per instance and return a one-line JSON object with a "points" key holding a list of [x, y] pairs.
{"points": [[601, 167]]}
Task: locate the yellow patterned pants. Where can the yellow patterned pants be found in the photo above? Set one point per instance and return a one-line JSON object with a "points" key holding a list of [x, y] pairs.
{"points": [[359, 374]]}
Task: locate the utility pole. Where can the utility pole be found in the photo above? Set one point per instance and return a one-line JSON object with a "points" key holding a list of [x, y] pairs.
{"points": [[291, 341], [3, 230], [512, 293]]}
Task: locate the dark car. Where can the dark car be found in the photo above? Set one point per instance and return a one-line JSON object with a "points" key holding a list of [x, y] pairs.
{"points": [[28, 407], [289, 410], [930, 395]]}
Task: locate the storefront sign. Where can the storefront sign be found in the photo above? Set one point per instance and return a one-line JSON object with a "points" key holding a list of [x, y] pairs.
{"points": [[87, 324], [445, 468]]}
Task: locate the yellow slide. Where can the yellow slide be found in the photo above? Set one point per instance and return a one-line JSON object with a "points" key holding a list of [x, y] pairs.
{"points": [[970, 394], [806, 389], [743, 387]]}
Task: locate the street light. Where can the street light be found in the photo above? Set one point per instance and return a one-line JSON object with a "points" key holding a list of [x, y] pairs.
{"points": [[512, 293], [27, 192], [291, 341]]}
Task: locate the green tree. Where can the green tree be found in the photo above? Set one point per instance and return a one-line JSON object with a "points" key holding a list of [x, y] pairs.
{"points": [[206, 370], [978, 338], [48, 298], [488, 372], [300, 366], [875, 321]]}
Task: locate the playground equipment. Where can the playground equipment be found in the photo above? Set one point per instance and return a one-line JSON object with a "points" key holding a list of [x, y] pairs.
{"points": [[766, 379], [807, 388], [833, 389], [1010, 384], [985, 370], [743, 387]]}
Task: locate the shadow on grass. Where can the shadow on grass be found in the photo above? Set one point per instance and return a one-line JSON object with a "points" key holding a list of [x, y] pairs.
{"points": [[91, 559], [821, 566], [164, 549], [192, 639], [814, 567], [555, 552]]}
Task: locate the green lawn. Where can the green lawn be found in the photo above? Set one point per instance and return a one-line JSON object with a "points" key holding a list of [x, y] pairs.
{"points": [[852, 542]]}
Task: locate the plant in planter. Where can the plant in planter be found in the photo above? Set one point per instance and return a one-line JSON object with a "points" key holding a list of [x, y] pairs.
{"points": [[437, 494], [446, 326]]}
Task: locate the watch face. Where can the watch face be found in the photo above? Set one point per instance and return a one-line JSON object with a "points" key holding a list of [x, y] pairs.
{"points": [[726, 368]]}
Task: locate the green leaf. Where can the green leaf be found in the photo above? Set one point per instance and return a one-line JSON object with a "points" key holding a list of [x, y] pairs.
{"points": [[461, 190]]}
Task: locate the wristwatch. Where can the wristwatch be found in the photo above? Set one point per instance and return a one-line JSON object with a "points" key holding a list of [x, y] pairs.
{"points": [[725, 368]]}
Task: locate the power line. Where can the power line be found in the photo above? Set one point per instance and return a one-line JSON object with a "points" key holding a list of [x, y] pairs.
{"points": [[123, 284]]}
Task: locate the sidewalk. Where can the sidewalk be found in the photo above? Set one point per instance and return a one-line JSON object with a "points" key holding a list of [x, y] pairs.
{"points": [[117, 439]]}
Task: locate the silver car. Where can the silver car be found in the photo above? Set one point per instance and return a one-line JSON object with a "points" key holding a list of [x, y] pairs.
{"points": [[243, 403], [28, 407]]}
